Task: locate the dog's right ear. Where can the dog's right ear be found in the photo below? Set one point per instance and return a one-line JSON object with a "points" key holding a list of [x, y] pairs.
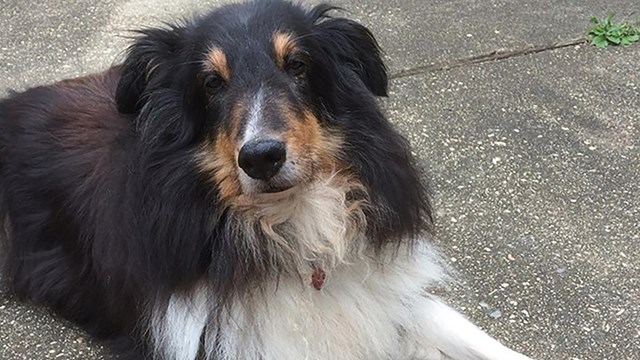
{"points": [[151, 53], [353, 46]]}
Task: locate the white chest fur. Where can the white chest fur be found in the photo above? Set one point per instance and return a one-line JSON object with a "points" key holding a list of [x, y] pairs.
{"points": [[363, 311], [360, 313]]}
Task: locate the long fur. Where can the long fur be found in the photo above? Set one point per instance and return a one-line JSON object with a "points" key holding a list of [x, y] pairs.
{"points": [[128, 213]]}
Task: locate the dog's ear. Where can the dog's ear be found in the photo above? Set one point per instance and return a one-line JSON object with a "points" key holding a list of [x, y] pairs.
{"points": [[153, 48], [352, 45]]}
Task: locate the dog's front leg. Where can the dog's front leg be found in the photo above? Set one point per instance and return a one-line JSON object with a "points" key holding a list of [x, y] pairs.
{"points": [[440, 332]]}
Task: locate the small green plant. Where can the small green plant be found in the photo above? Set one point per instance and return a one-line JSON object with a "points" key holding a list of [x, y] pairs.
{"points": [[606, 32]]}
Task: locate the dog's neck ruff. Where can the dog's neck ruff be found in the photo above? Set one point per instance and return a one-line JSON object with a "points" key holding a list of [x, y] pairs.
{"points": [[305, 231], [315, 237]]}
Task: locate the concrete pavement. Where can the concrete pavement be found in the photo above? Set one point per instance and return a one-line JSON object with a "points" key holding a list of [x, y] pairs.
{"points": [[533, 160]]}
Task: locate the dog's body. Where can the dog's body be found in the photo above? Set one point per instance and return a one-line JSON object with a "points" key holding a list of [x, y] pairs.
{"points": [[232, 191]]}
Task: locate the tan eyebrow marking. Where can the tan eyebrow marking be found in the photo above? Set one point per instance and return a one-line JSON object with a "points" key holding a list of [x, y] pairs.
{"points": [[217, 61], [283, 46]]}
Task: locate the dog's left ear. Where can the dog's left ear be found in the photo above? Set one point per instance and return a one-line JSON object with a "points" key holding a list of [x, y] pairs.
{"points": [[354, 46]]}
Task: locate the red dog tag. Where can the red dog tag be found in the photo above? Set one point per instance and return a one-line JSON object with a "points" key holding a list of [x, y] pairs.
{"points": [[317, 278]]}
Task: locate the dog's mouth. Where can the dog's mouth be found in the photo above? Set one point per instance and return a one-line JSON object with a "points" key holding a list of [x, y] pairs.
{"points": [[276, 185], [277, 192], [269, 197], [275, 189]]}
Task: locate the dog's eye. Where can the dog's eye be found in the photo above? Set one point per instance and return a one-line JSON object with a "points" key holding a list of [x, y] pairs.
{"points": [[295, 67], [213, 82]]}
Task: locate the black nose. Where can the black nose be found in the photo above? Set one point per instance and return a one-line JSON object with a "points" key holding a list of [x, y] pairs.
{"points": [[262, 159]]}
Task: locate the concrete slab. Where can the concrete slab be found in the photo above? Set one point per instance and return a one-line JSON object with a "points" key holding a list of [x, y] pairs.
{"points": [[534, 160], [535, 168]]}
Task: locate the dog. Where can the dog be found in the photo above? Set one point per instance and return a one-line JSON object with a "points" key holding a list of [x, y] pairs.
{"points": [[233, 190]]}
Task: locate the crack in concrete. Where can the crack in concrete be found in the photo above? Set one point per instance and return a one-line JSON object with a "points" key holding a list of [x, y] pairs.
{"points": [[492, 56]]}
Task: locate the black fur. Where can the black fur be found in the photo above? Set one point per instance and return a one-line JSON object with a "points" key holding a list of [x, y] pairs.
{"points": [[107, 209]]}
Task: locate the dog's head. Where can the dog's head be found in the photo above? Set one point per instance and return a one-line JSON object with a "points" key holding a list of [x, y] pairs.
{"points": [[269, 96]]}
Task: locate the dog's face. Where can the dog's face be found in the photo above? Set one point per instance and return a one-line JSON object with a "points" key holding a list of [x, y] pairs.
{"points": [[260, 89], [270, 96]]}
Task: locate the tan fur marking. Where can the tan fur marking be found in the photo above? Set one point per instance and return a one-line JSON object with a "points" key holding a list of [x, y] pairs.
{"points": [[217, 157], [317, 148], [217, 61], [283, 46], [226, 174], [237, 113]]}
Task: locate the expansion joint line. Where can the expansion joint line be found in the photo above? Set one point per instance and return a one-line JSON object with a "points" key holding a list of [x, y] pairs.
{"points": [[492, 56]]}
